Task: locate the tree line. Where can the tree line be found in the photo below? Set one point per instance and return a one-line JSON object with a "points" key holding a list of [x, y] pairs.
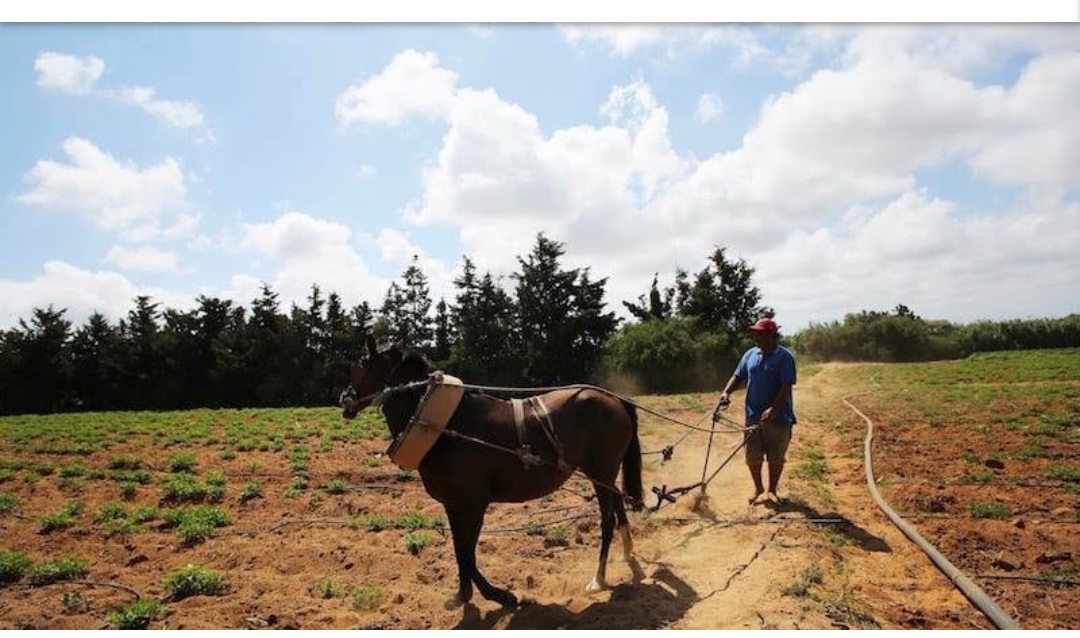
{"points": [[547, 325]]}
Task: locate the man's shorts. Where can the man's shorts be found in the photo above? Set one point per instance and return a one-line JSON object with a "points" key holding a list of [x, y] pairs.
{"points": [[769, 441]]}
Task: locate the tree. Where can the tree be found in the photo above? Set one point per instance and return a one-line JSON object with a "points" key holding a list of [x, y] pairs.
{"points": [[406, 309], [721, 298], [657, 308], [560, 318], [485, 347], [43, 377]]}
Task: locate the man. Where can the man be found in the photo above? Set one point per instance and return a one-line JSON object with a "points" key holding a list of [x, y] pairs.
{"points": [[768, 369]]}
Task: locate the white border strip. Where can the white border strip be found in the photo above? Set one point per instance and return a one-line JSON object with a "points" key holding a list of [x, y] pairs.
{"points": [[547, 11]]}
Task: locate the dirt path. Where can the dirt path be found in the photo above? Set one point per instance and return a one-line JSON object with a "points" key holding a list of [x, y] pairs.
{"points": [[827, 558]]}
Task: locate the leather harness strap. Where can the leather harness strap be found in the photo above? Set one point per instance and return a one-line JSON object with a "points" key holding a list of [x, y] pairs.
{"points": [[546, 426]]}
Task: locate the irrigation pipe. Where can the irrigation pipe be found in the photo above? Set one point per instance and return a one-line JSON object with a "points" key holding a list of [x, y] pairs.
{"points": [[966, 586]]}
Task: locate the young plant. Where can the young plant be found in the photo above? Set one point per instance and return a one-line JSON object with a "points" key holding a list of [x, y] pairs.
{"points": [[416, 541], [13, 565], [56, 570], [366, 597], [326, 589], [193, 580], [135, 615]]}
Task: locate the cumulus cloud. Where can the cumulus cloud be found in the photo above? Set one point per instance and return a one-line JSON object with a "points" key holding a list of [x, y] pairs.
{"points": [[412, 84], [823, 195], [81, 292], [302, 250], [68, 73], [118, 196]]}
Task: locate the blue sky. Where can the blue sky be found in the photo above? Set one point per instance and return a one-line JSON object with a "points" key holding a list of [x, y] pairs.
{"points": [[854, 166]]}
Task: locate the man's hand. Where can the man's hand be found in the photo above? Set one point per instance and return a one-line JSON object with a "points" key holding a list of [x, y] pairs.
{"points": [[721, 404]]}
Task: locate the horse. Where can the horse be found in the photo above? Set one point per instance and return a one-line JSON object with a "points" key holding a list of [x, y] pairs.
{"points": [[478, 459]]}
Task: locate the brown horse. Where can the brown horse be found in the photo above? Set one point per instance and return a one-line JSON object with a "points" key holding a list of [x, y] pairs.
{"points": [[477, 459]]}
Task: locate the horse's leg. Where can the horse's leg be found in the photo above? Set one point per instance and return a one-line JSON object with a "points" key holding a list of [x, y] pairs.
{"points": [[606, 501], [465, 524], [623, 527]]}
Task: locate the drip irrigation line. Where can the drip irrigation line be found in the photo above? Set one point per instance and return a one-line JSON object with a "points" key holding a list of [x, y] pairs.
{"points": [[966, 586], [1027, 578]]}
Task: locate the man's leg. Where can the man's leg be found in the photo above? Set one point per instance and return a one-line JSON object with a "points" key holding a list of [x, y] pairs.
{"points": [[755, 457], [776, 447]]}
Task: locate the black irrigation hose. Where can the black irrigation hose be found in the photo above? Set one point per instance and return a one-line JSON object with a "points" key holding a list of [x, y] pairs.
{"points": [[966, 586]]}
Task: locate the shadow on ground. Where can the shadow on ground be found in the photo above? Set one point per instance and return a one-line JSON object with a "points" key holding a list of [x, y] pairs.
{"points": [[655, 604], [842, 524]]}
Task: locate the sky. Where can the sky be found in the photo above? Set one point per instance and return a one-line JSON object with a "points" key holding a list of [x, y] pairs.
{"points": [[853, 166]]}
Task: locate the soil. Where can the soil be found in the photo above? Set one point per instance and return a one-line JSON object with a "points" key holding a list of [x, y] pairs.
{"points": [[824, 558]]}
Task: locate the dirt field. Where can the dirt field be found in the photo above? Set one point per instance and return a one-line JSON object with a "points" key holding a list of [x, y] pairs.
{"points": [[826, 558]]}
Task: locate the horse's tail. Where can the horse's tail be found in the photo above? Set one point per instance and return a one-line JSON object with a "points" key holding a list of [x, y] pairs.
{"points": [[631, 464]]}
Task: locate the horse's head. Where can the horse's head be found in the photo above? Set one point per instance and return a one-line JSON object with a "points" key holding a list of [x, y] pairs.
{"points": [[369, 376]]}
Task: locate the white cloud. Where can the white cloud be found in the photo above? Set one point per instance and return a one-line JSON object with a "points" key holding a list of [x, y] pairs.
{"points": [[302, 250], [117, 196], [141, 258], [709, 107], [68, 73], [174, 114], [412, 84], [81, 292], [79, 75], [366, 171]]}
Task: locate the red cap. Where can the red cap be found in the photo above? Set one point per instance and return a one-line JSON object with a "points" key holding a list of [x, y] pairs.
{"points": [[764, 325]]}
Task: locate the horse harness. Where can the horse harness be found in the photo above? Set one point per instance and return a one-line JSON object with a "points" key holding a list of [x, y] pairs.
{"points": [[543, 418]]}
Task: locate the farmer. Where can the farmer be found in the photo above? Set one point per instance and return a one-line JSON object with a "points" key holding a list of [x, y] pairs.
{"points": [[768, 369]]}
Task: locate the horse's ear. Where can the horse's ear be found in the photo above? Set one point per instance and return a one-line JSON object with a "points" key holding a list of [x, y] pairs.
{"points": [[399, 344], [372, 347]]}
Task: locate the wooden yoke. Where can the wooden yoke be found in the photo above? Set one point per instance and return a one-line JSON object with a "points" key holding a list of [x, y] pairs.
{"points": [[438, 404]]}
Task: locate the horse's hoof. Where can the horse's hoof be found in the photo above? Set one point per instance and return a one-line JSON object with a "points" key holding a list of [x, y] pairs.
{"points": [[509, 600], [453, 602], [595, 585]]}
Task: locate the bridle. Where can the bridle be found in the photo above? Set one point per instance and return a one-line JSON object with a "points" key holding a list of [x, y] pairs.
{"points": [[376, 398]]}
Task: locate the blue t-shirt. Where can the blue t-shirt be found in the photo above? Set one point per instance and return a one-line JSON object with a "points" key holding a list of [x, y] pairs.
{"points": [[764, 374]]}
